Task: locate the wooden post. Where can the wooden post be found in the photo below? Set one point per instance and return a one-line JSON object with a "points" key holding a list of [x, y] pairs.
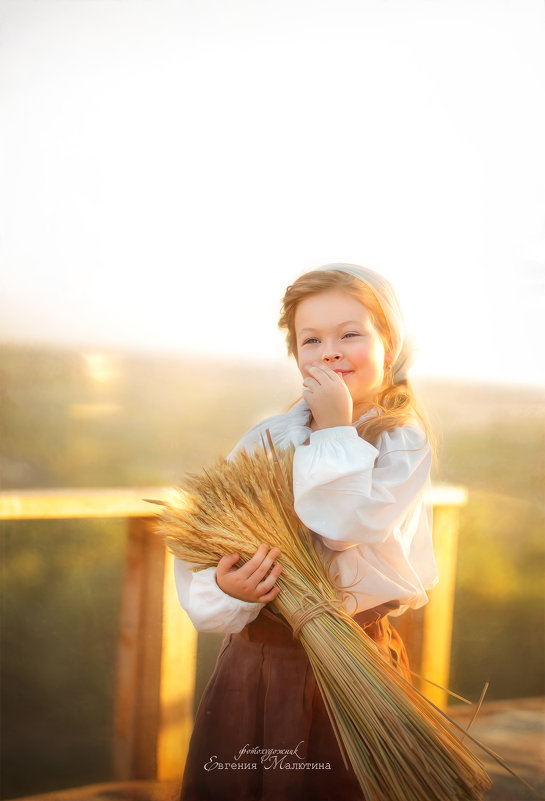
{"points": [[427, 632], [178, 669], [438, 614], [156, 665]]}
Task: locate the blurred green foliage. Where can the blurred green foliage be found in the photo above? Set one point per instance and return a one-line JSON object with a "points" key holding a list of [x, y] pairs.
{"points": [[61, 583], [72, 419]]}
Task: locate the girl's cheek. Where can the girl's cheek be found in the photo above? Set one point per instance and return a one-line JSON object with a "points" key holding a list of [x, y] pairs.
{"points": [[360, 355]]}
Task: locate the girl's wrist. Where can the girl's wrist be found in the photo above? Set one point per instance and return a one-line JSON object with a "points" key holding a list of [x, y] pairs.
{"points": [[334, 423]]}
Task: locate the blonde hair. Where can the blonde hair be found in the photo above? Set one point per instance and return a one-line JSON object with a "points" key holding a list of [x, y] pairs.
{"points": [[395, 403]]}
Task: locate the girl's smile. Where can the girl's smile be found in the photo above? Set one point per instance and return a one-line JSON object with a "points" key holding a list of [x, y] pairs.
{"points": [[336, 330]]}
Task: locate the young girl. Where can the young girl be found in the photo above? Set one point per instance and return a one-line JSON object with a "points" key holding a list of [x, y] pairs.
{"points": [[361, 467]]}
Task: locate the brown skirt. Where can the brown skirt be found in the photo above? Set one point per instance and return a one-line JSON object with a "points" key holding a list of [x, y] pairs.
{"points": [[262, 714]]}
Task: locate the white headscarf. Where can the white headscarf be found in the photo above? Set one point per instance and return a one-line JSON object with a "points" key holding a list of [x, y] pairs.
{"points": [[387, 299]]}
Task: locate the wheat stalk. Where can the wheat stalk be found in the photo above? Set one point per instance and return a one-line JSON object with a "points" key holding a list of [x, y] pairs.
{"points": [[401, 747]]}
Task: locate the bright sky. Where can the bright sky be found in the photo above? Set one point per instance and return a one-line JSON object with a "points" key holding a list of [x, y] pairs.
{"points": [[169, 167]]}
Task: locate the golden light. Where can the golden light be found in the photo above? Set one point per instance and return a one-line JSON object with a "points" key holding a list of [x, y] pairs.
{"points": [[101, 367]]}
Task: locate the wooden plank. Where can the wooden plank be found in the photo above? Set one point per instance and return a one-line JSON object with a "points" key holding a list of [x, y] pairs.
{"points": [[446, 495], [59, 504]]}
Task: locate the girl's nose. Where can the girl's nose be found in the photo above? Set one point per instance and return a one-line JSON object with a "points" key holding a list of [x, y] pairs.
{"points": [[331, 356]]}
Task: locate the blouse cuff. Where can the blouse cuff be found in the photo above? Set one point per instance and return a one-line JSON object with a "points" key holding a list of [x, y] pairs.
{"points": [[337, 433], [236, 603], [209, 608], [331, 454], [346, 436]]}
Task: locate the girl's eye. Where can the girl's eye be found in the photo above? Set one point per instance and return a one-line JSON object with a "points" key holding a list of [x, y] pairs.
{"points": [[310, 341], [351, 334]]}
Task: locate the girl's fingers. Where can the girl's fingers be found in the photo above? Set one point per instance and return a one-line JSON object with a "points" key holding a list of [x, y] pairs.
{"points": [[321, 374], [247, 570], [226, 562], [269, 596], [263, 569], [314, 374], [269, 580], [324, 370], [253, 581]]}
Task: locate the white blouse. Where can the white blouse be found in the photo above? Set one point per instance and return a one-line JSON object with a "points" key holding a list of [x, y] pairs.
{"points": [[366, 506]]}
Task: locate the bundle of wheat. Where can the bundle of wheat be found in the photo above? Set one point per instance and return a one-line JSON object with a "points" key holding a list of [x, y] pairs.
{"points": [[400, 746]]}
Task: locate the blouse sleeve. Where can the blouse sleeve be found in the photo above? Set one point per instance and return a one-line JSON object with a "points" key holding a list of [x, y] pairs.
{"points": [[209, 608], [350, 492]]}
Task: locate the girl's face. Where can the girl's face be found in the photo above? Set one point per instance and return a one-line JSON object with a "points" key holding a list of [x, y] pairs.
{"points": [[335, 329]]}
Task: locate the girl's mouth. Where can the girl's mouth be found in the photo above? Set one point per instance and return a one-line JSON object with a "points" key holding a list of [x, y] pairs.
{"points": [[343, 373]]}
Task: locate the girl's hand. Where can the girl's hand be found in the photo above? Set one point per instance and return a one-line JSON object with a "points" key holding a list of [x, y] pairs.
{"points": [[252, 582], [328, 396]]}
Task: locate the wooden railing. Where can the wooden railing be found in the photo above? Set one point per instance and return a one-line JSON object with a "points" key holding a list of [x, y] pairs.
{"points": [[157, 643]]}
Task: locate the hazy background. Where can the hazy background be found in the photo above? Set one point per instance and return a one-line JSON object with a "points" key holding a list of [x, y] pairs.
{"points": [[167, 169], [170, 166]]}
